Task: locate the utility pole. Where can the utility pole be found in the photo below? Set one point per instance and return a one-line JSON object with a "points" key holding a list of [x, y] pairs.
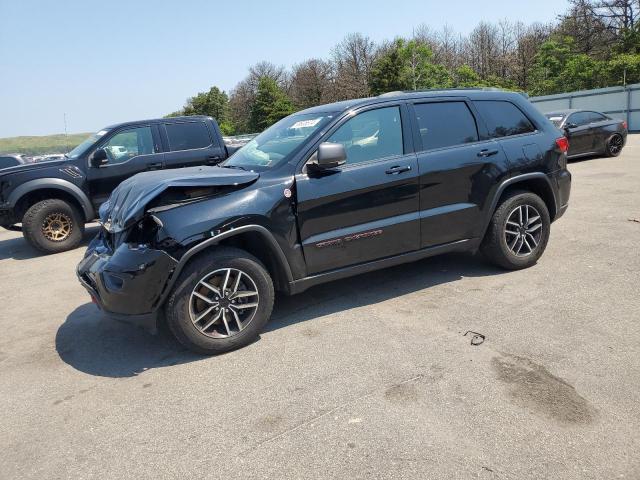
{"points": [[64, 116]]}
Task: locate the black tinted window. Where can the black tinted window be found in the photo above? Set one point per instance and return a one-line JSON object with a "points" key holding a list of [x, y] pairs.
{"points": [[443, 124], [8, 162], [596, 117], [579, 118], [503, 118], [187, 136]]}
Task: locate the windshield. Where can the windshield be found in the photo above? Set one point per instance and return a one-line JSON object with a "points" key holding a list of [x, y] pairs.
{"points": [[84, 146], [555, 119], [276, 144]]}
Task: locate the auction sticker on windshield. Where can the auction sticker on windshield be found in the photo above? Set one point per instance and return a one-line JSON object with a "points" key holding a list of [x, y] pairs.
{"points": [[306, 123]]}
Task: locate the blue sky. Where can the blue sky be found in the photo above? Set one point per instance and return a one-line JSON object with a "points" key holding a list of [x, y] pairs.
{"points": [[110, 61]]}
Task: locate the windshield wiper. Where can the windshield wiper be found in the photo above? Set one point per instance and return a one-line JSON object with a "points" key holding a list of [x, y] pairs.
{"points": [[234, 166]]}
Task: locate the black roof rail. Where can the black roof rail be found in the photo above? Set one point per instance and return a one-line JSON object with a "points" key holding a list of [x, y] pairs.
{"points": [[453, 89], [403, 92]]}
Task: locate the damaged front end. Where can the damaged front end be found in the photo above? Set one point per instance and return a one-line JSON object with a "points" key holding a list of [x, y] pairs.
{"points": [[128, 266]]}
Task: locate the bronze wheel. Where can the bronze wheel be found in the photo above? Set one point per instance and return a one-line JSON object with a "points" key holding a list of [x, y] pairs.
{"points": [[53, 225], [57, 227]]}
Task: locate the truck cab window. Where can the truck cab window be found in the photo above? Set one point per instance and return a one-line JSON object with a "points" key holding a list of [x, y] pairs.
{"points": [[187, 136], [129, 143]]}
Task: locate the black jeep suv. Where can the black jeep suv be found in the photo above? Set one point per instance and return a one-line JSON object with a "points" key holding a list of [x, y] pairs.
{"points": [[53, 199], [327, 193]]}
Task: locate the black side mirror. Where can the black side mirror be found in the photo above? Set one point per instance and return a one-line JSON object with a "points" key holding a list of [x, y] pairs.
{"points": [[569, 125], [99, 158], [329, 155]]}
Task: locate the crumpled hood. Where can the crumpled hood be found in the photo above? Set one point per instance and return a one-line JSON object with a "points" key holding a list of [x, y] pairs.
{"points": [[128, 201]]}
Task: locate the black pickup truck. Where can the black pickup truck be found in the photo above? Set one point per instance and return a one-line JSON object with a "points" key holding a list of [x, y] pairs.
{"points": [[54, 199]]}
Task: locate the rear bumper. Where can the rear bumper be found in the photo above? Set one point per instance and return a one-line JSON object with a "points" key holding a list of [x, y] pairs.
{"points": [[561, 181], [128, 283]]}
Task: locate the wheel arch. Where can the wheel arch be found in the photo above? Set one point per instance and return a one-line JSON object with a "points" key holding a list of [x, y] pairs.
{"points": [[254, 239], [43, 188], [537, 183]]}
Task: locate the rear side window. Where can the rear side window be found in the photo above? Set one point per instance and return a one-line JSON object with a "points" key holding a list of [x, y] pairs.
{"points": [[187, 136], [596, 117], [444, 124], [503, 118]]}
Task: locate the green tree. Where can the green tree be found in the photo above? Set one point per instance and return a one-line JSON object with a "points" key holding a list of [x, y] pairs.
{"points": [[214, 103], [418, 70], [549, 63], [407, 65], [464, 76], [558, 68], [386, 71], [622, 69], [270, 105]]}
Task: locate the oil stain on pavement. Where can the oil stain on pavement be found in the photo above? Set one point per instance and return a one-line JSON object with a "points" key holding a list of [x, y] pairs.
{"points": [[533, 387]]}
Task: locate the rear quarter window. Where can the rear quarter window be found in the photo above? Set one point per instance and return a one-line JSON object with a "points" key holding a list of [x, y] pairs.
{"points": [[503, 118], [188, 135]]}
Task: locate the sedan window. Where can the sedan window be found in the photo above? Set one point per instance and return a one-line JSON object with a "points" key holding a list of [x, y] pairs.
{"points": [[596, 117], [580, 118]]}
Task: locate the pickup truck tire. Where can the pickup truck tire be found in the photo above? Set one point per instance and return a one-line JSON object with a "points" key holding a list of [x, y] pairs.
{"points": [[209, 319], [53, 226], [518, 232]]}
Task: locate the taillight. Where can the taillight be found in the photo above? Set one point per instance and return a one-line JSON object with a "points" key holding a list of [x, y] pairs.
{"points": [[624, 124], [563, 144]]}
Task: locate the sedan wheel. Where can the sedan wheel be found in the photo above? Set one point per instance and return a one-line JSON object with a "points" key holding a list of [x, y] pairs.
{"points": [[614, 146]]}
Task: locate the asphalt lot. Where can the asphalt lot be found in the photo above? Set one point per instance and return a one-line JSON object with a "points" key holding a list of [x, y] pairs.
{"points": [[369, 377]]}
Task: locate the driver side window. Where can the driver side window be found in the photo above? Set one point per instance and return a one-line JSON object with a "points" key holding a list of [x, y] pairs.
{"points": [[371, 135], [130, 143]]}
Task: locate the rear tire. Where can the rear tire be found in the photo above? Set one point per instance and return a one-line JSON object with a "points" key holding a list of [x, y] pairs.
{"points": [[518, 232], [53, 226], [209, 319], [614, 145]]}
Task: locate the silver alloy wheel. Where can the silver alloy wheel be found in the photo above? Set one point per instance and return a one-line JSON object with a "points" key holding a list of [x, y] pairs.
{"points": [[615, 144], [223, 303], [523, 230]]}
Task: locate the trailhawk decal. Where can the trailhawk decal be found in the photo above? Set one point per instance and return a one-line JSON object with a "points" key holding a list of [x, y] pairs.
{"points": [[350, 238]]}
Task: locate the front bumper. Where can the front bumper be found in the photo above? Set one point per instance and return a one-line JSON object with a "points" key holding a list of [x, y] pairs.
{"points": [[127, 283], [6, 217]]}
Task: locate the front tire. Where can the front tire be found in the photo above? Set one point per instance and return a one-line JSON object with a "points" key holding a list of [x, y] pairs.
{"points": [[519, 231], [53, 226], [221, 301]]}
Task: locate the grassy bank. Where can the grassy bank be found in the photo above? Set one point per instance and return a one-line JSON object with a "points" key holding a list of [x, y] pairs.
{"points": [[39, 145]]}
